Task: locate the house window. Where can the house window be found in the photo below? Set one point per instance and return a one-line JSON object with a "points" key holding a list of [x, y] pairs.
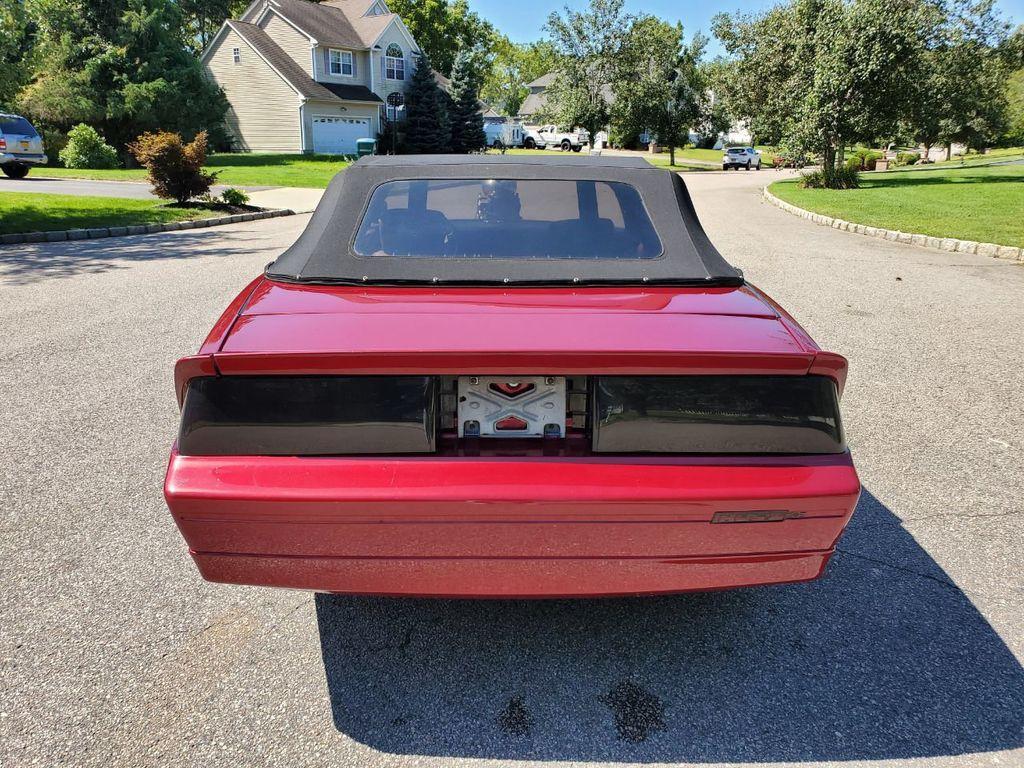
{"points": [[236, 55], [395, 114], [394, 63], [341, 63]]}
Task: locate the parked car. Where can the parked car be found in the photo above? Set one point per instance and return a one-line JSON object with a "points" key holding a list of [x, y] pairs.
{"points": [[485, 391], [554, 138], [503, 133], [532, 138], [21, 146], [741, 157]]}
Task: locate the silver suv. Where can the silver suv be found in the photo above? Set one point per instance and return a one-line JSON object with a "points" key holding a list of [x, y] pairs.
{"points": [[21, 146], [741, 157]]}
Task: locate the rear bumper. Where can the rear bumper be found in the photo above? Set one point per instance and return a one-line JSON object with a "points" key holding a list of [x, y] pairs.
{"points": [[8, 158], [508, 527]]}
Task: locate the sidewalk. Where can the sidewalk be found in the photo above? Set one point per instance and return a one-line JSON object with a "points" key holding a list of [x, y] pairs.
{"points": [[299, 199]]}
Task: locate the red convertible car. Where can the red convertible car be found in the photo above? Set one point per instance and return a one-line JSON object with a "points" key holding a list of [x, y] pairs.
{"points": [[508, 376]]}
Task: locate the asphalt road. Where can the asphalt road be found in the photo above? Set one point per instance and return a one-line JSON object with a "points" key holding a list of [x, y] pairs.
{"points": [[37, 181], [908, 652]]}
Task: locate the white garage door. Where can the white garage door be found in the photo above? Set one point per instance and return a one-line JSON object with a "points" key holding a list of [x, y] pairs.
{"points": [[337, 135]]}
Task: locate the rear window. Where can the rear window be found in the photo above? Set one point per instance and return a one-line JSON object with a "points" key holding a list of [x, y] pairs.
{"points": [[737, 151], [16, 125], [507, 219]]}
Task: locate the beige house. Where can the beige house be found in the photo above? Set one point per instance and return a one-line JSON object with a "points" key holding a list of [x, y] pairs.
{"points": [[310, 77]]}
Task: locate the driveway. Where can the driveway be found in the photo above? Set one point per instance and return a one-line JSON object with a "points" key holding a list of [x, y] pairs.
{"points": [[906, 653]]}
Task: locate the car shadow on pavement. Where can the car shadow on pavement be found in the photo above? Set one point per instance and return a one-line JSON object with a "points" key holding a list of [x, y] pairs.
{"points": [[872, 662]]}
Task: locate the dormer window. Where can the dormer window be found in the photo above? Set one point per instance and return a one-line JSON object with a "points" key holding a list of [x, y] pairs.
{"points": [[341, 63], [394, 62]]}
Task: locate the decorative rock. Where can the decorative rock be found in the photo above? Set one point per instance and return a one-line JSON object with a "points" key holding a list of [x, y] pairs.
{"points": [[10, 239], [1009, 252], [118, 231], [987, 249], [136, 229], [77, 234], [35, 237], [56, 237], [948, 244], [98, 232]]}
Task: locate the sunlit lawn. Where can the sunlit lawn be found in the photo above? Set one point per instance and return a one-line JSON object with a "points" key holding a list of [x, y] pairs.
{"points": [[243, 170], [35, 212], [979, 203]]}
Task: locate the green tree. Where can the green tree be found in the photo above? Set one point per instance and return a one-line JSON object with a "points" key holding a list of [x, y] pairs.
{"points": [[443, 28], [718, 109], [202, 18], [1014, 135], [514, 65], [426, 126], [658, 85], [467, 124], [834, 71], [14, 41], [588, 44], [121, 65]]}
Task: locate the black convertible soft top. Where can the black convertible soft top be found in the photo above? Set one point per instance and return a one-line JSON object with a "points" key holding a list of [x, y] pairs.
{"points": [[328, 251]]}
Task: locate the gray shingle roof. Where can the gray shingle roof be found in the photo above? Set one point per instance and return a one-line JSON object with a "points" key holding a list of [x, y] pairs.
{"points": [[543, 81], [352, 92], [285, 65], [336, 22]]}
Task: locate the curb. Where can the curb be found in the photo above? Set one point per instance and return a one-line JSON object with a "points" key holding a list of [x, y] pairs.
{"points": [[60, 235], [927, 241]]}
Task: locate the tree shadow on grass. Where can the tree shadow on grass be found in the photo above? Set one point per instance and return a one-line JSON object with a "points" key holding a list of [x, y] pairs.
{"points": [[250, 160], [869, 663], [923, 179]]}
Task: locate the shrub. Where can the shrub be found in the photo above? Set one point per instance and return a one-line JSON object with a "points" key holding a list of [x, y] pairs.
{"points": [[905, 158], [175, 168], [843, 177], [233, 196], [54, 141], [864, 159], [85, 148]]}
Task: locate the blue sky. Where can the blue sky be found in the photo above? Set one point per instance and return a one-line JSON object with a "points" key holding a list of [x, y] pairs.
{"points": [[522, 20]]}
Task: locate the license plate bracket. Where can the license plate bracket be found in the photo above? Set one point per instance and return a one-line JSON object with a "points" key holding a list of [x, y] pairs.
{"points": [[511, 406]]}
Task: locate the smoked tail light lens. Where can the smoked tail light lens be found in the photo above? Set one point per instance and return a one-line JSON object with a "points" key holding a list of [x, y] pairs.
{"points": [[308, 415], [716, 415]]}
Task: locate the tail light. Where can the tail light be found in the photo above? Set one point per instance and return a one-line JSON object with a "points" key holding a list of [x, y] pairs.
{"points": [[716, 414], [353, 415], [308, 415], [3, 143]]}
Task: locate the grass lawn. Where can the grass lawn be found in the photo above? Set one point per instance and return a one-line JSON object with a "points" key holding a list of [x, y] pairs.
{"points": [[35, 212], [240, 170], [979, 203]]}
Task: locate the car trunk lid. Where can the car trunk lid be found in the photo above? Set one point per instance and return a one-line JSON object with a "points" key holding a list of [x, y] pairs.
{"points": [[321, 329]]}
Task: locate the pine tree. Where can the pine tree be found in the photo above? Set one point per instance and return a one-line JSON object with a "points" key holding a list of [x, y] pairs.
{"points": [[467, 124], [426, 119]]}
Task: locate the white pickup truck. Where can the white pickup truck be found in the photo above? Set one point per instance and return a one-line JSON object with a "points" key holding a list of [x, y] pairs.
{"points": [[549, 136]]}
